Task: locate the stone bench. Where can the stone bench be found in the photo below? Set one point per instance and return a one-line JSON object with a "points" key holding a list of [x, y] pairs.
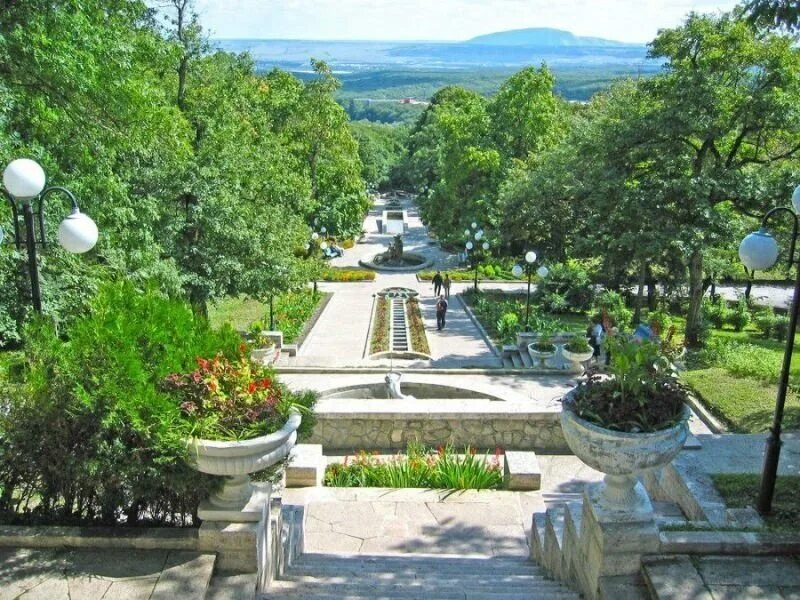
{"points": [[522, 471], [306, 466]]}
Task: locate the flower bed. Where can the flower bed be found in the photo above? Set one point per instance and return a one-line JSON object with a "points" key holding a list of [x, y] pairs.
{"points": [[342, 275], [379, 341], [419, 468], [419, 339]]}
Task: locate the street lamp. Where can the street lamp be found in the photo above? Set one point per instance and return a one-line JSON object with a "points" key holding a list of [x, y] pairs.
{"points": [[517, 270], [759, 250], [314, 243], [472, 247], [23, 182]]}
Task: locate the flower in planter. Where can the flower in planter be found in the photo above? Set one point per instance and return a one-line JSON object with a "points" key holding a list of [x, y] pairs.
{"points": [[641, 394], [230, 399]]}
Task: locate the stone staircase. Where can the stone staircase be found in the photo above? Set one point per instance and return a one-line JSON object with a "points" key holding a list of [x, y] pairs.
{"points": [[516, 359], [414, 576], [399, 337]]}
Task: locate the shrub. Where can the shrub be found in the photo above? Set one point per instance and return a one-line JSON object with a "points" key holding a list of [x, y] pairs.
{"points": [[662, 320], [612, 304], [765, 321], [566, 287], [332, 274], [739, 317], [508, 326], [88, 436], [716, 313], [780, 329], [488, 270], [348, 243], [291, 312]]}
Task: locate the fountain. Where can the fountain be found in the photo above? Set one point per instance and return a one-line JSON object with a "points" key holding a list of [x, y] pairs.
{"points": [[393, 386]]}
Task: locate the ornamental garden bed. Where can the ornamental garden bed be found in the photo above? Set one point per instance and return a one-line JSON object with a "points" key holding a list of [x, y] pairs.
{"points": [[379, 336], [338, 274], [419, 467], [419, 339]]}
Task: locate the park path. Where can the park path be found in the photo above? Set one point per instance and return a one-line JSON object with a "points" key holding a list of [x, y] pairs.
{"points": [[339, 337]]}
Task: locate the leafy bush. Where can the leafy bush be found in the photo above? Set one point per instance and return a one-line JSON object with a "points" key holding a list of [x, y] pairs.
{"points": [[662, 320], [566, 287], [89, 436], [291, 312], [716, 313], [420, 468], [508, 326], [612, 304], [780, 330], [765, 321], [739, 317], [348, 243], [488, 270], [232, 400]]}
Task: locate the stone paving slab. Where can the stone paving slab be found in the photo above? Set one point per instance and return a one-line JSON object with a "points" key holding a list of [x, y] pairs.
{"points": [[94, 574]]}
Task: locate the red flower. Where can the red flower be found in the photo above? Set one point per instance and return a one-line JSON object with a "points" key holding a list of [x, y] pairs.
{"points": [[440, 450], [472, 451], [251, 388]]}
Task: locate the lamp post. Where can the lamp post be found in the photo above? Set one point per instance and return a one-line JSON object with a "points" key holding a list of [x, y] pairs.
{"points": [[314, 243], [517, 270], [24, 189], [472, 247], [759, 250]]}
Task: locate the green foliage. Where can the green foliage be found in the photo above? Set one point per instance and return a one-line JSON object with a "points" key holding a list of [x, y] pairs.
{"points": [[381, 148], [566, 288], [508, 326], [89, 436], [741, 359], [227, 400], [578, 344], [379, 341], [416, 326], [292, 311], [640, 396], [780, 329], [739, 317], [420, 468], [612, 304], [662, 320], [337, 274], [716, 313]]}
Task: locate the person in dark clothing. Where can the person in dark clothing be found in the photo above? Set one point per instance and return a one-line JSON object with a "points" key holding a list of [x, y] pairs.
{"points": [[437, 284], [441, 313]]}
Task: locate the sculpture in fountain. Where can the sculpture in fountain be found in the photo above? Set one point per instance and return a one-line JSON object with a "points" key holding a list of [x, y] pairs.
{"points": [[393, 386]]}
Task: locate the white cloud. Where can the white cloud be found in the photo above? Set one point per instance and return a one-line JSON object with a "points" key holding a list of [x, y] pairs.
{"points": [[624, 20]]}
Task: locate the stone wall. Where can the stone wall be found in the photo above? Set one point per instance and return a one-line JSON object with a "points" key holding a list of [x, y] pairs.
{"points": [[511, 431]]}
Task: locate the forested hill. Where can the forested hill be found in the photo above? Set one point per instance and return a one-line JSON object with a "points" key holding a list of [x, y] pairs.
{"points": [[542, 36]]}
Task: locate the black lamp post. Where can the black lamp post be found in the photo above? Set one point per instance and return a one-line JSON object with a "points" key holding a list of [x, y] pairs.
{"points": [[759, 250], [317, 241], [472, 247], [24, 189], [530, 258]]}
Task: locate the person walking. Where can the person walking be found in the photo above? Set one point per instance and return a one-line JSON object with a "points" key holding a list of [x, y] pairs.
{"points": [[437, 284], [446, 285], [441, 312]]}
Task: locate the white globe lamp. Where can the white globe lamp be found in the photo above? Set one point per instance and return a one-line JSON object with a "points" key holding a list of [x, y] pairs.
{"points": [[796, 199], [324, 245], [466, 232], [530, 257], [474, 225], [758, 251], [470, 246], [485, 245], [77, 233], [315, 236], [516, 271], [543, 272], [24, 178]]}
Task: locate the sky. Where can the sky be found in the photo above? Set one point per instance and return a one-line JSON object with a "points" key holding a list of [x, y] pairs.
{"points": [[621, 20]]}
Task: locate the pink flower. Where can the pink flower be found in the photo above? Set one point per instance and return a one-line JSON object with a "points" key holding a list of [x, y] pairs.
{"points": [[188, 407]]}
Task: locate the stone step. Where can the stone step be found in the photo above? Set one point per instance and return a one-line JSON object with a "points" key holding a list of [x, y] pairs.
{"points": [[420, 578], [673, 577], [359, 589], [185, 575], [232, 586], [516, 360], [367, 593], [507, 364], [413, 563], [553, 536], [527, 362], [537, 537]]}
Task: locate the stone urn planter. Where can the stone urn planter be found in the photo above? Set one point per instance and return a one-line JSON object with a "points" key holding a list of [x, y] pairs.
{"points": [[577, 357], [236, 460], [621, 456], [540, 354]]}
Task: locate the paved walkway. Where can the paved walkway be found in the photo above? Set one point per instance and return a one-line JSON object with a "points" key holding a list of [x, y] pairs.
{"points": [[339, 338]]}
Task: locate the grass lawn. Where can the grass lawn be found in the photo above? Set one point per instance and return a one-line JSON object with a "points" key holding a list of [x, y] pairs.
{"points": [[740, 491], [291, 312]]}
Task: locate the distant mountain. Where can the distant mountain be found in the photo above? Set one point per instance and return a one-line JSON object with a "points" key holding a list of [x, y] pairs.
{"points": [[542, 37]]}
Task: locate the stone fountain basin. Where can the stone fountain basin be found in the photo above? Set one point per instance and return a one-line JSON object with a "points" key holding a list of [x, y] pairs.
{"points": [[421, 391]]}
